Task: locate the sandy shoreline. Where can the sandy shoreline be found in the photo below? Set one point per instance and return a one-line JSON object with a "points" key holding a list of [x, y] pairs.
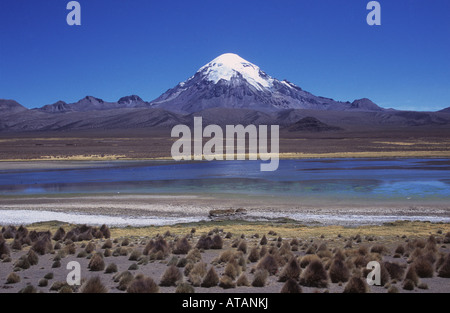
{"points": [[182, 208]]}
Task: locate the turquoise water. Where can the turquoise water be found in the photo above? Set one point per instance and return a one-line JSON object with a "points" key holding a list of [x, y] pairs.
{"points": [[393, 179]]}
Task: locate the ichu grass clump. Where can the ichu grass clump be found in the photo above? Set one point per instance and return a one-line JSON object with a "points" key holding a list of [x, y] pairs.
{"points": [[444, 269], [143, 284], [291, 270], [291, 286], [96, 263], [111, 268], [338, 271], [260, 278], [171, 276], [356, 285], [268, 263], [182, 246], [93, 285], [13, 278], [226, 282], [184, 288], [217, 242], [314, 275], [211, 279]]}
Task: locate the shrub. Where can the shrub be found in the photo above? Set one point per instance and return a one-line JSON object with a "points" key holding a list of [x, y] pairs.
{"points": [[9, 232], [242, 281], [57, 285], [82, 254], [111, 268], [32, 257], [85, 236], [363, 250], [171, 276], [28, 289], [268, 263], [159, 245], [356, 285], [70, 248], [124, 279], [199, 269], [290, 271], [260, 278], [182, 262], [143, 284], [93, 285], [392, 289], [43, 282], [314, 275], [59, 234], [184, 288], [412, 275], [231, 270], [211, 279], [196, 280], [360, 261], [42, 246], [226, 256], [408, 284], [242, 246], [253, 256], [291, 286], [395, 270], [444, 270], [13, 278], [339, 255], [90, 247], [49, 275], [182, 246], [23, 263], [204, 242], [135, 255], [133, 267], [378, 249], [263, 240], [96, 263], [304, 262], [339, 271], [423, 267], [217, 242], [106, 232], [194, 256], [16, 245], [125, 242], [227, 282], [107, 244]]}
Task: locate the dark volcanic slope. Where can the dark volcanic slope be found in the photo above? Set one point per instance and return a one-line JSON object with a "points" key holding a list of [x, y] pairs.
{"points": [[311, 124], [8, 107]]}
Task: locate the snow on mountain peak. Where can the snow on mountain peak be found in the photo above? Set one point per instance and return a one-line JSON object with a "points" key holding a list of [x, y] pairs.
{"points": [[228, 65]]}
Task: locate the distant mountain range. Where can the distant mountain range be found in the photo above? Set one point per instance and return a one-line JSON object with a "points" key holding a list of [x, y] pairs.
{"points": [[227, 90]]}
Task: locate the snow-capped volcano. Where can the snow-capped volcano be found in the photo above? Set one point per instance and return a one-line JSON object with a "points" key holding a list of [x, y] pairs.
{"points": [[230, 81], [230, 65]]}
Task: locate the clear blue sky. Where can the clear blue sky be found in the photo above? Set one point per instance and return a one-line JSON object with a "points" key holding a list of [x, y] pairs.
{"points": [[145, 47]]}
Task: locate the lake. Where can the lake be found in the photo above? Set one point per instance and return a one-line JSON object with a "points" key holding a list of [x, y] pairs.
{"points": [[358, 179]]}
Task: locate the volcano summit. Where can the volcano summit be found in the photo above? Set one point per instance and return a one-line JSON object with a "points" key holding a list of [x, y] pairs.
{"points": [[229, 81]]}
